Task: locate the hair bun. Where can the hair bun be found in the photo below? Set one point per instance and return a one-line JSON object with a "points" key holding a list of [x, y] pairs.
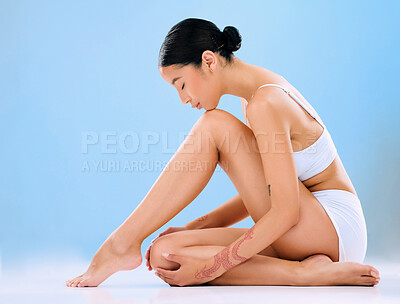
{"points": [[233, 39]]}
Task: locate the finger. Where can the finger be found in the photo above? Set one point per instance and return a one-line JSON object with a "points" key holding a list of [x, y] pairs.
{"points": [[158, 273], [158, 236], [165, 279], [167, 273], [174, 258], [147, 255], [165, 231]]}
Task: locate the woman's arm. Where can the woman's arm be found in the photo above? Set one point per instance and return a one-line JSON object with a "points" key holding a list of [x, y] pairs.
{"points": [[270, 120], [226, 215]]}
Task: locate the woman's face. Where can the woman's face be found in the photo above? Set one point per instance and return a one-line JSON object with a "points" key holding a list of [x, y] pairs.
{"points": [[194, 85]]}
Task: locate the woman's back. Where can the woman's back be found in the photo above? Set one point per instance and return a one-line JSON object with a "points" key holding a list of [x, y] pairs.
{"points": [[307, 133]]}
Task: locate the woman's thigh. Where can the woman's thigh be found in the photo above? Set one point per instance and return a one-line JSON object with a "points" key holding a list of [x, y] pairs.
{"points": [[314, 233], [220, 236]]}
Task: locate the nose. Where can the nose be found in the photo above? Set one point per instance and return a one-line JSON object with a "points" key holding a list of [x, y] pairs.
{"points": [[185, 102]]}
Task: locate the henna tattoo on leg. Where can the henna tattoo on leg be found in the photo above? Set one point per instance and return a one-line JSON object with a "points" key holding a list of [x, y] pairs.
{"points": [[203, 218]]}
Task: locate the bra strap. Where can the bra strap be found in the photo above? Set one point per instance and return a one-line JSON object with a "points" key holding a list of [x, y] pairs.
{"points": [[291, 94]]}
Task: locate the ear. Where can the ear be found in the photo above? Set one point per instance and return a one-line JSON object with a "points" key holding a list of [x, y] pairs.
{"points": [[209, 60]]}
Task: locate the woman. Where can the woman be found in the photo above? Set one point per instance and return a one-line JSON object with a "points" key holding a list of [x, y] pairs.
{"points": [[309, 225]]}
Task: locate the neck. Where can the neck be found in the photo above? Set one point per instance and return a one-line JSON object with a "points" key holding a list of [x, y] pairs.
{"points": [[242, 79]]}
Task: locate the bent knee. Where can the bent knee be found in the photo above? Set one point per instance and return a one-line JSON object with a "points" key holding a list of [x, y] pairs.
{"points": [[223, 126], [160, 246], [218, 118]]}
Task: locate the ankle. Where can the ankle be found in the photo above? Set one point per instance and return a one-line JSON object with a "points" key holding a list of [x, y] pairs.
{"points": [[123, 245], [302, 274]]}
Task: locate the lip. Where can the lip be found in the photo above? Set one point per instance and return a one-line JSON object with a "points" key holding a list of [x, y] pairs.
{"points": [[198, 106]]}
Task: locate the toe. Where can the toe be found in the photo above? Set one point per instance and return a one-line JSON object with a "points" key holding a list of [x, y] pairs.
{"points": [[371, 280], [375, 270], [366, 270], [367, 281], [78, 282], [74, 280]]}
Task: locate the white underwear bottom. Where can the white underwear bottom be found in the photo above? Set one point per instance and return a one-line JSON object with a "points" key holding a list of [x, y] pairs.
{"points": [[345, 211]]}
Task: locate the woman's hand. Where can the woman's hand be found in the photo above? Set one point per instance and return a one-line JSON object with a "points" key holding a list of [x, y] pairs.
{"points": [[193, 271], [147, 257], [167, 231]]}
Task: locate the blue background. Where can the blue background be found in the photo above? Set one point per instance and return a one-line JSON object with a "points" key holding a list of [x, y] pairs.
{"points": [[71, 68]]}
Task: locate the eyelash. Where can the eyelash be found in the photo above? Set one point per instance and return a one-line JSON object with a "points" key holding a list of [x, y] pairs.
{"points": [[183, 86]]}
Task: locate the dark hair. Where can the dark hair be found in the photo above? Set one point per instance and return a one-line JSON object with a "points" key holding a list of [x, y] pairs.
{"points": [[187, 40]]}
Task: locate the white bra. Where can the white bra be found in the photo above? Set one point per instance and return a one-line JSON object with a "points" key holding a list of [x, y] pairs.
{"points": [[317, 157]]}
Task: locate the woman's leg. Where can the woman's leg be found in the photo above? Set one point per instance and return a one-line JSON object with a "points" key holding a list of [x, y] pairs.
{"points": [[264, 268], [316, 270], [217, 137]]}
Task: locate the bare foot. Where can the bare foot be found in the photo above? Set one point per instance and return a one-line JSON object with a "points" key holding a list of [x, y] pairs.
{"points": [[319, 270], [108, 260]]}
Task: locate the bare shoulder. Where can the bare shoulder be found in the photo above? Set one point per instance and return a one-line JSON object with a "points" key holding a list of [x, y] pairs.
{"points": [[272, 104]]}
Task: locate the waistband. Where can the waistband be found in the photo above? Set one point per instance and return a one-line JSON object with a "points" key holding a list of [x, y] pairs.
{"points": [[336, 192]]}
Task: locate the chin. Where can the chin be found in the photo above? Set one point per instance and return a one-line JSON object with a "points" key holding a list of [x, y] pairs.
{"points": [[208, 106]]}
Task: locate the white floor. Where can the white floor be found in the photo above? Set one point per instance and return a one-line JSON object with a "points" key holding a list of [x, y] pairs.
{"points": [[45, 283]]}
